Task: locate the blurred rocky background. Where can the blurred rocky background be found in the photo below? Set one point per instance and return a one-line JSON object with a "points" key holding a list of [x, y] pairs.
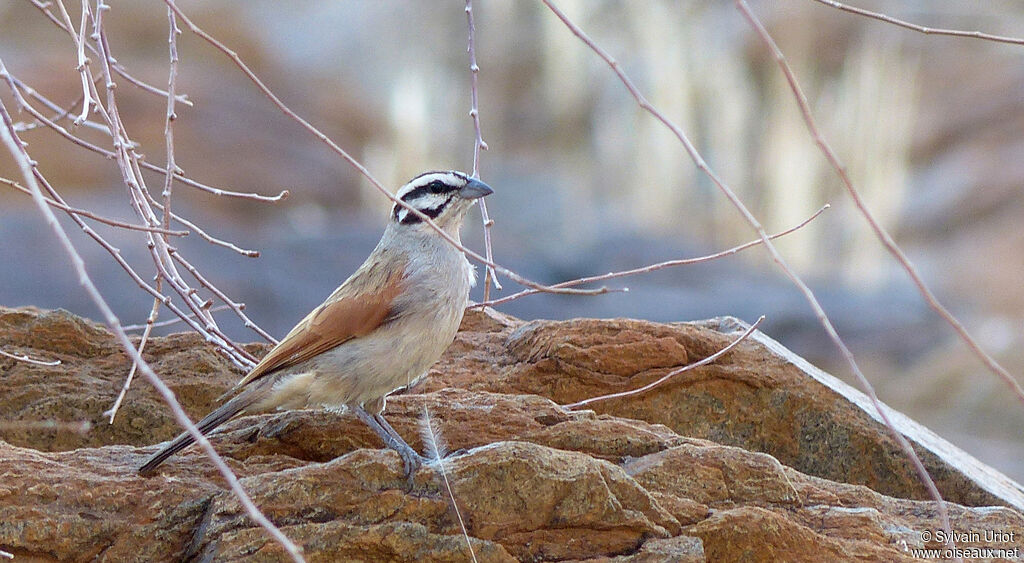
{"points": [[585, 181]]}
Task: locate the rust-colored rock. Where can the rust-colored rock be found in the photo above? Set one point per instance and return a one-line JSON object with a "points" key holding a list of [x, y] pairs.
{"points": [[683, 473]]}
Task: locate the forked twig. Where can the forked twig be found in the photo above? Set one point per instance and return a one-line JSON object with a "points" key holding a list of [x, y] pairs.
{"points": [[44, 7], [750, 330]]}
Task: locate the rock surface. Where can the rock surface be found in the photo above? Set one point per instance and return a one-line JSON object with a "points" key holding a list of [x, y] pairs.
{"points": [[747, 459]]}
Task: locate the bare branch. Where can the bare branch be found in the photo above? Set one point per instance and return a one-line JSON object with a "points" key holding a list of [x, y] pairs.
{"points": [[95, 217], [236, 307], [28, 360], [921, 28], [362, 169], [653, 267], [808, 295], [18, 85], [169, 322], [900, 439], [79, 41], [44, 7], [17, 150], [490, 277], [150, 321], [883, 235], [672, 373]]}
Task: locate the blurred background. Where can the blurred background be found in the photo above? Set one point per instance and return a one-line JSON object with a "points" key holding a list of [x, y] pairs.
{"points": [[586, 183]]}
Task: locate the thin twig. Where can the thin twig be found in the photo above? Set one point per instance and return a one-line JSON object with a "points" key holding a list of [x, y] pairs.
{"points": [[750, 330], [889, 244], [44, 7], [921, 28], [490, 276], [236, 307], [883, 235], [6, 555], [362, 169], [168, 184], [169, 322], [150, 321], [95, 217], [10, 139], [436, 448], [808, 295], [128, 161], [654, 267], [16, 83], [79, 41], [28, 360]]}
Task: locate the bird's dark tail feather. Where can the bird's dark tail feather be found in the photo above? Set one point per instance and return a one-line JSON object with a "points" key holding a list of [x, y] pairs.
{"points": [[219, 416]]}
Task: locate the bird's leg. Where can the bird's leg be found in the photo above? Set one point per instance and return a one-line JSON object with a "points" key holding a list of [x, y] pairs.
{"points": [[392, 439]]}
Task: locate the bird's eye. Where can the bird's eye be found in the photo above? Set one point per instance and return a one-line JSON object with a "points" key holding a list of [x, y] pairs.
{"points": [[436, 187]]}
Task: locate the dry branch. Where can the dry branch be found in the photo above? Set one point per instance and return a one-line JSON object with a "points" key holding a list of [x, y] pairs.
{"points": [[921, 28], [653, 267], [29, 360], [17, 150], [750, 330], [490, 277], [808, 295], [903, 442]]}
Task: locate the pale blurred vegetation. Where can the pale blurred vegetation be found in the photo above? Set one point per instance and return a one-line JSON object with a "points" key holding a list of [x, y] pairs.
{"points": [[930, 128]]}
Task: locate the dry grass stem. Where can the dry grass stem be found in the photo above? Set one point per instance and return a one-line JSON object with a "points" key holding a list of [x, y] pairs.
{"points": [[24, 162], [29, 360], [921, 28]]}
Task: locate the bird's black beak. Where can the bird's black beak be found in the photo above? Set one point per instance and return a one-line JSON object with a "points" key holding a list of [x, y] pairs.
{"points": [[475, 189]]}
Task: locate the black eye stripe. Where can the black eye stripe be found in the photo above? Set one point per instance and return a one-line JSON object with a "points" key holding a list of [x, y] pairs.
{"points": [[432, 212], [435, 187]]}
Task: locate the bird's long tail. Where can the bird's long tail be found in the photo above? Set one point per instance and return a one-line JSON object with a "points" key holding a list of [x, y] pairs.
{"points": [[222, 414]]}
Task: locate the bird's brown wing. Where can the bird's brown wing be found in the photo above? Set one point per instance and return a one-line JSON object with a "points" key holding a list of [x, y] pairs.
{"points": [[344, 316]]}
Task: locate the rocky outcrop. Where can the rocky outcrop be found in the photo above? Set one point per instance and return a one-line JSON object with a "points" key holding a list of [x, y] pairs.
{"points": [[756, 457]]}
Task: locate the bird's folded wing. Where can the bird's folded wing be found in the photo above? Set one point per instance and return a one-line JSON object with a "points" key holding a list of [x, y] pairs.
{"points": [[344, 316]]}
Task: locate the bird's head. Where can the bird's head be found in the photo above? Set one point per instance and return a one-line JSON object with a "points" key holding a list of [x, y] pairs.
{"points": [[443, 196]]}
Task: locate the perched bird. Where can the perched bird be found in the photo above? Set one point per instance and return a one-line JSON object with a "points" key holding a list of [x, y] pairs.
{"points": [[380, 331]]}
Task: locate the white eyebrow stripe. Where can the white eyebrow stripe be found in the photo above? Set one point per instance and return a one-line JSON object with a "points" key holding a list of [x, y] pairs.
{"points": [[446, 177]]}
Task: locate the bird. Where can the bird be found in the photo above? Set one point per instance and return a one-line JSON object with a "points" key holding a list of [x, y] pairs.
{"points": [[379, 331]]}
